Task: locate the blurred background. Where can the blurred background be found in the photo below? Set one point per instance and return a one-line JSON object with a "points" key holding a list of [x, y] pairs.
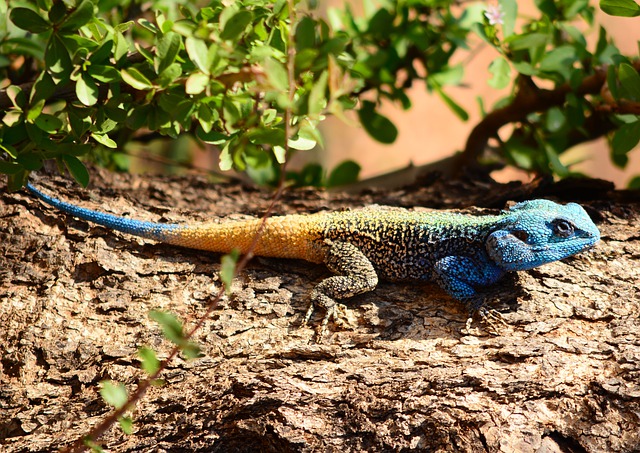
{"points": [[430, 131]]}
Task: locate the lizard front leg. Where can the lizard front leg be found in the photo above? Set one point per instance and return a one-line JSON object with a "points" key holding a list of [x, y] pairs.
{"points": [[461, 275], [356, 275]]}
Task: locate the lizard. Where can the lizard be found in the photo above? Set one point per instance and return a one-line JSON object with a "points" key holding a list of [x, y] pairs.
{"points": [[462, 253]]}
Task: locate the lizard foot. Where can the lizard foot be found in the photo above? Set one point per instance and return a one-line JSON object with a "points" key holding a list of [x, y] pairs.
{"points": [[489, 317], [329, 305], [333, 312]]}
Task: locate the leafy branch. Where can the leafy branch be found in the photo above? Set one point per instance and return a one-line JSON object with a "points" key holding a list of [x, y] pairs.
{"points": [[89, 79]]}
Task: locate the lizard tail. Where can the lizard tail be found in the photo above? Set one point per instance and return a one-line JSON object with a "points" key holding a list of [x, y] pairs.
{"points": [[290, 236], [293, 236], [141, 228]]}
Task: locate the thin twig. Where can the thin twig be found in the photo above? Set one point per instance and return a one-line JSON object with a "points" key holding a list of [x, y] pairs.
{"points": [[95, 433]]}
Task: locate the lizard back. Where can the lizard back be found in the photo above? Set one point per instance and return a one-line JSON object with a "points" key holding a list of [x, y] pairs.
{"points": [[404, 244]]}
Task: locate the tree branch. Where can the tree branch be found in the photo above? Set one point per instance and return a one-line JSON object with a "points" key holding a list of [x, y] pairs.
{"points": [[530, 99]]}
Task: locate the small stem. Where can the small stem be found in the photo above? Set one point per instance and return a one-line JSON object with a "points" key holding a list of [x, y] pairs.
{"points": [[100, 429]]}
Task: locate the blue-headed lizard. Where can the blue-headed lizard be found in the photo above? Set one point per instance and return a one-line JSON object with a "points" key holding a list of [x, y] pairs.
{"points": [[462, 253]]}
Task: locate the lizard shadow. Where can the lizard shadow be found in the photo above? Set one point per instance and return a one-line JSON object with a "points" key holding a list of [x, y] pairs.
{"points": [[402, 310]]}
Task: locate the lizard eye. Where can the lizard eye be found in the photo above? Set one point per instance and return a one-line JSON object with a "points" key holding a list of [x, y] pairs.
{"points": [[562, 228]]}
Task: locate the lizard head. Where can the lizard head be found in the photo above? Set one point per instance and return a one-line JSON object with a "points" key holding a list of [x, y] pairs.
{"points": [[537, 232]]}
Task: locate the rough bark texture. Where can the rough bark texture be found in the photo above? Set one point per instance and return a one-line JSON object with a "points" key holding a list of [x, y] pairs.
{"points": [[398, 373]]}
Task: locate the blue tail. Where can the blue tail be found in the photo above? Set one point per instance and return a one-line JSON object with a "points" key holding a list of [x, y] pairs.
{"points": [[149, 230]]}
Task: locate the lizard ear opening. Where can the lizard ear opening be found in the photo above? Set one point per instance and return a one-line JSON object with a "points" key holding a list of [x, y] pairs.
{"points": [[520, 234]]}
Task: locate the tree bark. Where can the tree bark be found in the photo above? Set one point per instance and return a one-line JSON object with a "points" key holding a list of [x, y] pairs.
{"points": [[397, 373]]}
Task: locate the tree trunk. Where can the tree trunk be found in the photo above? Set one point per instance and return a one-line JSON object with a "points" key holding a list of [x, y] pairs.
{"points": [[397, 373]]}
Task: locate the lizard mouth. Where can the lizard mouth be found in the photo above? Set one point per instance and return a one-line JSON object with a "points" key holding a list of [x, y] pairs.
{"points": [[579, 245]]}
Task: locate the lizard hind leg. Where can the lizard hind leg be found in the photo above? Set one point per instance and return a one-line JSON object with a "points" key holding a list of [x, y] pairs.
{"points": [[356, 275]]}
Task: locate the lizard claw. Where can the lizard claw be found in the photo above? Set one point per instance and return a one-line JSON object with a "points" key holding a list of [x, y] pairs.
{"points": [[489, 317], [331, 313]]}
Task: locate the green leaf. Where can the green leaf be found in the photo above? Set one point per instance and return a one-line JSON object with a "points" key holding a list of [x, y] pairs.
{"points": [[555, 164], [377, 126], [126, 424], [559, 60], [266, 136], [35, 111], [57, 59], [196, 83], [226, 159], [305, 58], [104, 74], [79, 121], [501, 72], [171, 327], [168, 49], [36, 136], [30, 161], [29, 20], [280, 153], [169, 75], [634, 184], [115, 394], [77, 169], [277, 74], [103, 53], [43, 88], [623, 8], [612, 82], [548, 7], [457, 109], [630, 80], [93, 445], [199, 53], [527, 41], [149, 26], [510, 10], [448, 76], [212, 137], [624, 140], [302, 144], [48, 123], [17, 96], [9, 168], [104, 139], [24, 46], [79, 17], [305, 34], [555, 120], [190, 350], [136, 79], [228, 268], [481, 31], [236, 25], [148, 360], [345, 173], [57, 12], [310, 175], [121, 47], [87, 90], [12, 118]]}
